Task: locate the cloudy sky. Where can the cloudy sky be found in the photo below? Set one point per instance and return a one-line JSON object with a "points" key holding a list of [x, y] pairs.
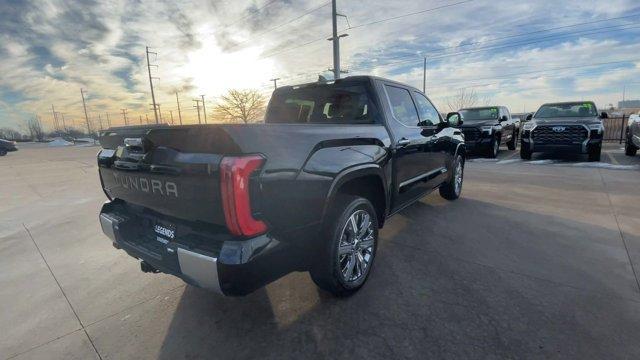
{"points": [[515, 53]]}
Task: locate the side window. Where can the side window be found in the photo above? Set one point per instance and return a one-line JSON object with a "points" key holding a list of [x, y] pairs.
{"points": [[402, 106], [428, 114], [506, 112]]}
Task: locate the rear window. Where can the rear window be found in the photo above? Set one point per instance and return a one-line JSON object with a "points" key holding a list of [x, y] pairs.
{"points": [[340, 103]]}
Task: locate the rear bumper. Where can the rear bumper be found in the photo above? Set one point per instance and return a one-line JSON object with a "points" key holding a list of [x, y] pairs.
{"points": [[235, 267]]}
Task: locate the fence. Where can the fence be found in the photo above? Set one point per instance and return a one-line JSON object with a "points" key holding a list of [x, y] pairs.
{"points": [[615, 128]]}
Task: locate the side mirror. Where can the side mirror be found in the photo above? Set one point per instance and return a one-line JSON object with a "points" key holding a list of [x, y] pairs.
{"points": [[454, 119], [604, 115], [529, 117], [503, 118]]}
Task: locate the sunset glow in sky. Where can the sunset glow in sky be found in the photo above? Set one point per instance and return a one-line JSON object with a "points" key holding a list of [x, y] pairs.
{"points": [[517, 53]]}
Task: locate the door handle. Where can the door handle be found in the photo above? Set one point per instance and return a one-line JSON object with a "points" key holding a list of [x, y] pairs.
{"points": [[403, 142]]}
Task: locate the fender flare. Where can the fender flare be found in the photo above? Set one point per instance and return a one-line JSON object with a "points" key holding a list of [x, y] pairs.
{"points": [[464, 148], [353, 173]]}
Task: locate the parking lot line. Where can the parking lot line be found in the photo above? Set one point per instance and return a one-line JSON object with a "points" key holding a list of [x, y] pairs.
{"points": [[61, 289]]}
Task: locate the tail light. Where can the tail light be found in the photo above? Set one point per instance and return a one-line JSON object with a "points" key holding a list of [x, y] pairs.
{"points": [[235, 174]]}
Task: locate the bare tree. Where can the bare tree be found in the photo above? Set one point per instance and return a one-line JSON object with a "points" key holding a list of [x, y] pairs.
{"points": [[240, 105], [462, 99], [10, 134], [35, 129]]}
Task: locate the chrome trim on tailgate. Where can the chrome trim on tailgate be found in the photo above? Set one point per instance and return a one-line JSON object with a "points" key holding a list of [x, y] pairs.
{"points": [[108, 226], [201, 269]]}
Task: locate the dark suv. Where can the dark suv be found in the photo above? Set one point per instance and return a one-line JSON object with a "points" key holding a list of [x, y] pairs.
{"points": [[6, 146], [633, 136], [568, 127], [485, 128]]}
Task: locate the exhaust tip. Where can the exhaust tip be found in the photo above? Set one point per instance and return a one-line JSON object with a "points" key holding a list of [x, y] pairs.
{"points": [[146, 268]]}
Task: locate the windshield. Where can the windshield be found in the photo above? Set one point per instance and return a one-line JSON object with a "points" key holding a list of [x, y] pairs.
{"points": [[322, 103], [489, 113], [582, 109]]}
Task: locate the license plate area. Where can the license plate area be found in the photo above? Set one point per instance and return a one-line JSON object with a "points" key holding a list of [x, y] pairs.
{"points": [[164, 232]]}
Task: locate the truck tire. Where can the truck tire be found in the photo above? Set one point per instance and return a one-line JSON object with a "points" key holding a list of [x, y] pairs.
{"points": [[511, 145], [629, 148], [453, 187], [348, 255], [3, 152], [594, 153], [524, 153], [494, 147]]}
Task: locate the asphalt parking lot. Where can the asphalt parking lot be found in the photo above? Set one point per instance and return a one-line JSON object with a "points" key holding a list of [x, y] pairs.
{"points": [[536, 260]]}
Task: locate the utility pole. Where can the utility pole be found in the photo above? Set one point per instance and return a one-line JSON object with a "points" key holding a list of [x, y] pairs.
{"points": [[275, 83], [86, 117], [179, 113], [64, 124], [124, 116], [336, 40], [153, 96], [424, 76], [159, 113], [171, 114], [55, 119], [204, 109], [198, 107], [108, 121]]}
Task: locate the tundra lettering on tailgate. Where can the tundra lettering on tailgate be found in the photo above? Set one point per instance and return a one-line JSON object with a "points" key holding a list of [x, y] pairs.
{"points": [[153, 186]]}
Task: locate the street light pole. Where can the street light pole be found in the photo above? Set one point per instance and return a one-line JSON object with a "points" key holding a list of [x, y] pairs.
{"points": [[424, 76]]}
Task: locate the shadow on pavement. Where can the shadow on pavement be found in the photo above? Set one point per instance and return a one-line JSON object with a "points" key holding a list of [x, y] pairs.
{"points": [[499, 283]]}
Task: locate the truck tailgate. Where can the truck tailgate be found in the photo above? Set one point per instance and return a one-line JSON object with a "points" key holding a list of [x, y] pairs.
{"points": [[173, 171]]}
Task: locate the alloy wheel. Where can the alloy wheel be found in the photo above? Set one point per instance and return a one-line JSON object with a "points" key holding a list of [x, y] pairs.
{"points": [[356, 246], [458, 177]]}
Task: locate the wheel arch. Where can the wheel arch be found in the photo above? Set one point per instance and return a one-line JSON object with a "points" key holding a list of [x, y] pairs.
{"points": [[367, 181]]}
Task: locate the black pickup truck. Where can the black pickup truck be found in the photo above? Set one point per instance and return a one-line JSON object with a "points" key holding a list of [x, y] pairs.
{"points": [[632, 144], [574, 127], [233, 207], [485, 128]]}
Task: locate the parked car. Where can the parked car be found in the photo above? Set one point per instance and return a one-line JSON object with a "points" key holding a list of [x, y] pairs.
{"points": [[232, 207], [485, 128], [633, 136], [7, 146], [567, 127]]}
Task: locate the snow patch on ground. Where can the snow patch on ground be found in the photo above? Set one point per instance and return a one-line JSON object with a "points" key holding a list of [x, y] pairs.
{"points": [[602, 165], [57, 142], [542, 162], [481, 160], [510, 161]]}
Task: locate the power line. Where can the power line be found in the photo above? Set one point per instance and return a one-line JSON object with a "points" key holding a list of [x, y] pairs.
{"points": [[524, 42], [409, 14], [517, 75], [504, 46], [371, 23], [281, 25], [254, 13]]}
